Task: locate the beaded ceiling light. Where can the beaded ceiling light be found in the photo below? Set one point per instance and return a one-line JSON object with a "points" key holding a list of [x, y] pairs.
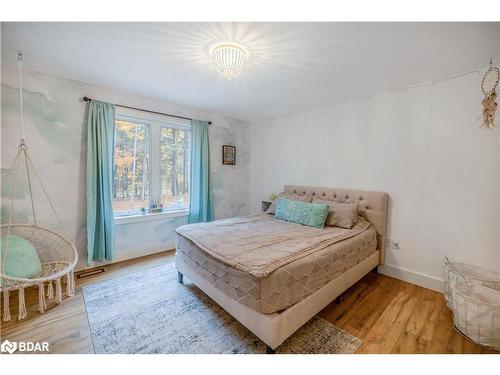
{"points": [[229, 60]]}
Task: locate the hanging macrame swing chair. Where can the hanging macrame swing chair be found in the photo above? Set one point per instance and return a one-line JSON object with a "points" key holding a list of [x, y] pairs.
{"points": [[57, 254]]}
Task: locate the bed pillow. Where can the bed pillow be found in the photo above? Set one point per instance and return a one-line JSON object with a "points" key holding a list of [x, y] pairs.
{"points": [[302, 198], [343, 215], [310, 214]]}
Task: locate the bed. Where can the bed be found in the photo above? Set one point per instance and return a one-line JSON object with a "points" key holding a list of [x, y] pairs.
{"points": [[273, 276]]}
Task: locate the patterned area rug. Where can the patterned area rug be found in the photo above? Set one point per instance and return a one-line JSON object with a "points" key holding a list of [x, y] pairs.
{"points": [[149, 312]]}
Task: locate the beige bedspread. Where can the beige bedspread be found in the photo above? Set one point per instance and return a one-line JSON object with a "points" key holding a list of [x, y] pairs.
{"points": [[260, 244], [235, 255]]}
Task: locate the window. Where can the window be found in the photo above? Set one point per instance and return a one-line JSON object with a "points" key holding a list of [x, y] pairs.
{"points": [[175, 167], [131, 171], [151, 165]]}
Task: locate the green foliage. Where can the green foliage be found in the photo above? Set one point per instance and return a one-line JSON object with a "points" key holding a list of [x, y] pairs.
{"points": [[174, 162], [131, 169], [131, 188]]}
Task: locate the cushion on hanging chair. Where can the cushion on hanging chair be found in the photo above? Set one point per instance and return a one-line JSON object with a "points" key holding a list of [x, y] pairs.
{"points": [[21, 260]]}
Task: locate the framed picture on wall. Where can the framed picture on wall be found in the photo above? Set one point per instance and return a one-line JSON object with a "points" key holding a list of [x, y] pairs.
{"points": [[228, 155]]}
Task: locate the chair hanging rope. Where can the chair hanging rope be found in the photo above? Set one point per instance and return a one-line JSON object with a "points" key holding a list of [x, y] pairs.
{"points": [[20, 69], [57, 254]]}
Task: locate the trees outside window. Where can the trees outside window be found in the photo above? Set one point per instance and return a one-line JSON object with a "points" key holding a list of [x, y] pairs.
{"points": [[151, 166], [131, 167], [175, 167]]}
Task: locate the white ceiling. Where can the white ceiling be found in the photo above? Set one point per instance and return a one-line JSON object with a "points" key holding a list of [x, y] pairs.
{"points": [[294, 66]]}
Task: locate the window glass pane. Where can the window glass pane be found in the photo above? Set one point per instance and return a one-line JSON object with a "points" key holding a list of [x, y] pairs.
{"points": [[131, 172], [174, 168]]}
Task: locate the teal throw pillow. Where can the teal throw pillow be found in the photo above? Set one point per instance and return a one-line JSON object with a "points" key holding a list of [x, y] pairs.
{"points": [[310, 214]]}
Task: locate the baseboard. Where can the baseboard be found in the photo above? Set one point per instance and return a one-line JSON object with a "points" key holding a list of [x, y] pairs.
{"points": [[426, 281], [125, 254]]}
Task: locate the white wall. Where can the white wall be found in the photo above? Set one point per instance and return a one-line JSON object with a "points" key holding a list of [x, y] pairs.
{"points": [[422, 145], [55, 119]]}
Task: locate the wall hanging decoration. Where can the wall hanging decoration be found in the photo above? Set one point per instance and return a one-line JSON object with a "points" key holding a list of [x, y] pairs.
{"points": [[30, 254], [488, 87], [228, 155]]}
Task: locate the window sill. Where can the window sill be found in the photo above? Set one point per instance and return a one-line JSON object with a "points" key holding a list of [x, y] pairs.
{"points": [[150, 217]]}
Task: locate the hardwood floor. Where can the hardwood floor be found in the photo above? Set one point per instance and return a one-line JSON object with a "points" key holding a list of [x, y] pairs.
{"points": [[389, 315], [65, 327], [393, 316]]}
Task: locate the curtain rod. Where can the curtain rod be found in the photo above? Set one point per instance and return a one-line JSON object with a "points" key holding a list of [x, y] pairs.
{"points": [[87, 99]]}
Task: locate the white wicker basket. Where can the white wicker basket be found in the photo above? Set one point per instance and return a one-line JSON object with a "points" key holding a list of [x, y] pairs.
{"points": [[476, 312], [471, 274]]}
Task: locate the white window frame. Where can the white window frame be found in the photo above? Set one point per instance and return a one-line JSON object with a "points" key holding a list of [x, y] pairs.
{"points": [[155, 123]]}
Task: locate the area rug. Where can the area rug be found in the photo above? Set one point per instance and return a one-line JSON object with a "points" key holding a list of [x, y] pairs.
{"points": [[149, 312]]}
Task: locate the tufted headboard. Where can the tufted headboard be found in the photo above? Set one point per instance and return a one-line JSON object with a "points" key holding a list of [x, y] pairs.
{"points": [[372, 205]]}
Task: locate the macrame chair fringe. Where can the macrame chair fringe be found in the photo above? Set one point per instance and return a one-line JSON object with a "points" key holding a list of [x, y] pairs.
{"points": [[50, 291], [42, 306], [6, 306], [70, 284], [58, 291], [22, 304]]}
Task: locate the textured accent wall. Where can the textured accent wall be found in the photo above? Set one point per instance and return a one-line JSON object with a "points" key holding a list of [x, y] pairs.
{"points": [[55, 120]]}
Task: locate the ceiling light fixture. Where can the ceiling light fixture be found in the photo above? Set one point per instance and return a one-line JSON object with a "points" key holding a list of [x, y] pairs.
{"points": [[229, 60]]}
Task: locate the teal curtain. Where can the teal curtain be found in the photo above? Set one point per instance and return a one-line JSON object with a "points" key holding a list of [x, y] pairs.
{"points": [[100, 150], [201, 203]]}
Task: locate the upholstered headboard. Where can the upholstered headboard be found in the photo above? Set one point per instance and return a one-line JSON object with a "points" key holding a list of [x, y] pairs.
{"points": [[372, 205]]}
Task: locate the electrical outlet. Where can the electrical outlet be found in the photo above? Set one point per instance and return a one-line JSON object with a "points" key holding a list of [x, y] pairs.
{"points": [[392, 243]]}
